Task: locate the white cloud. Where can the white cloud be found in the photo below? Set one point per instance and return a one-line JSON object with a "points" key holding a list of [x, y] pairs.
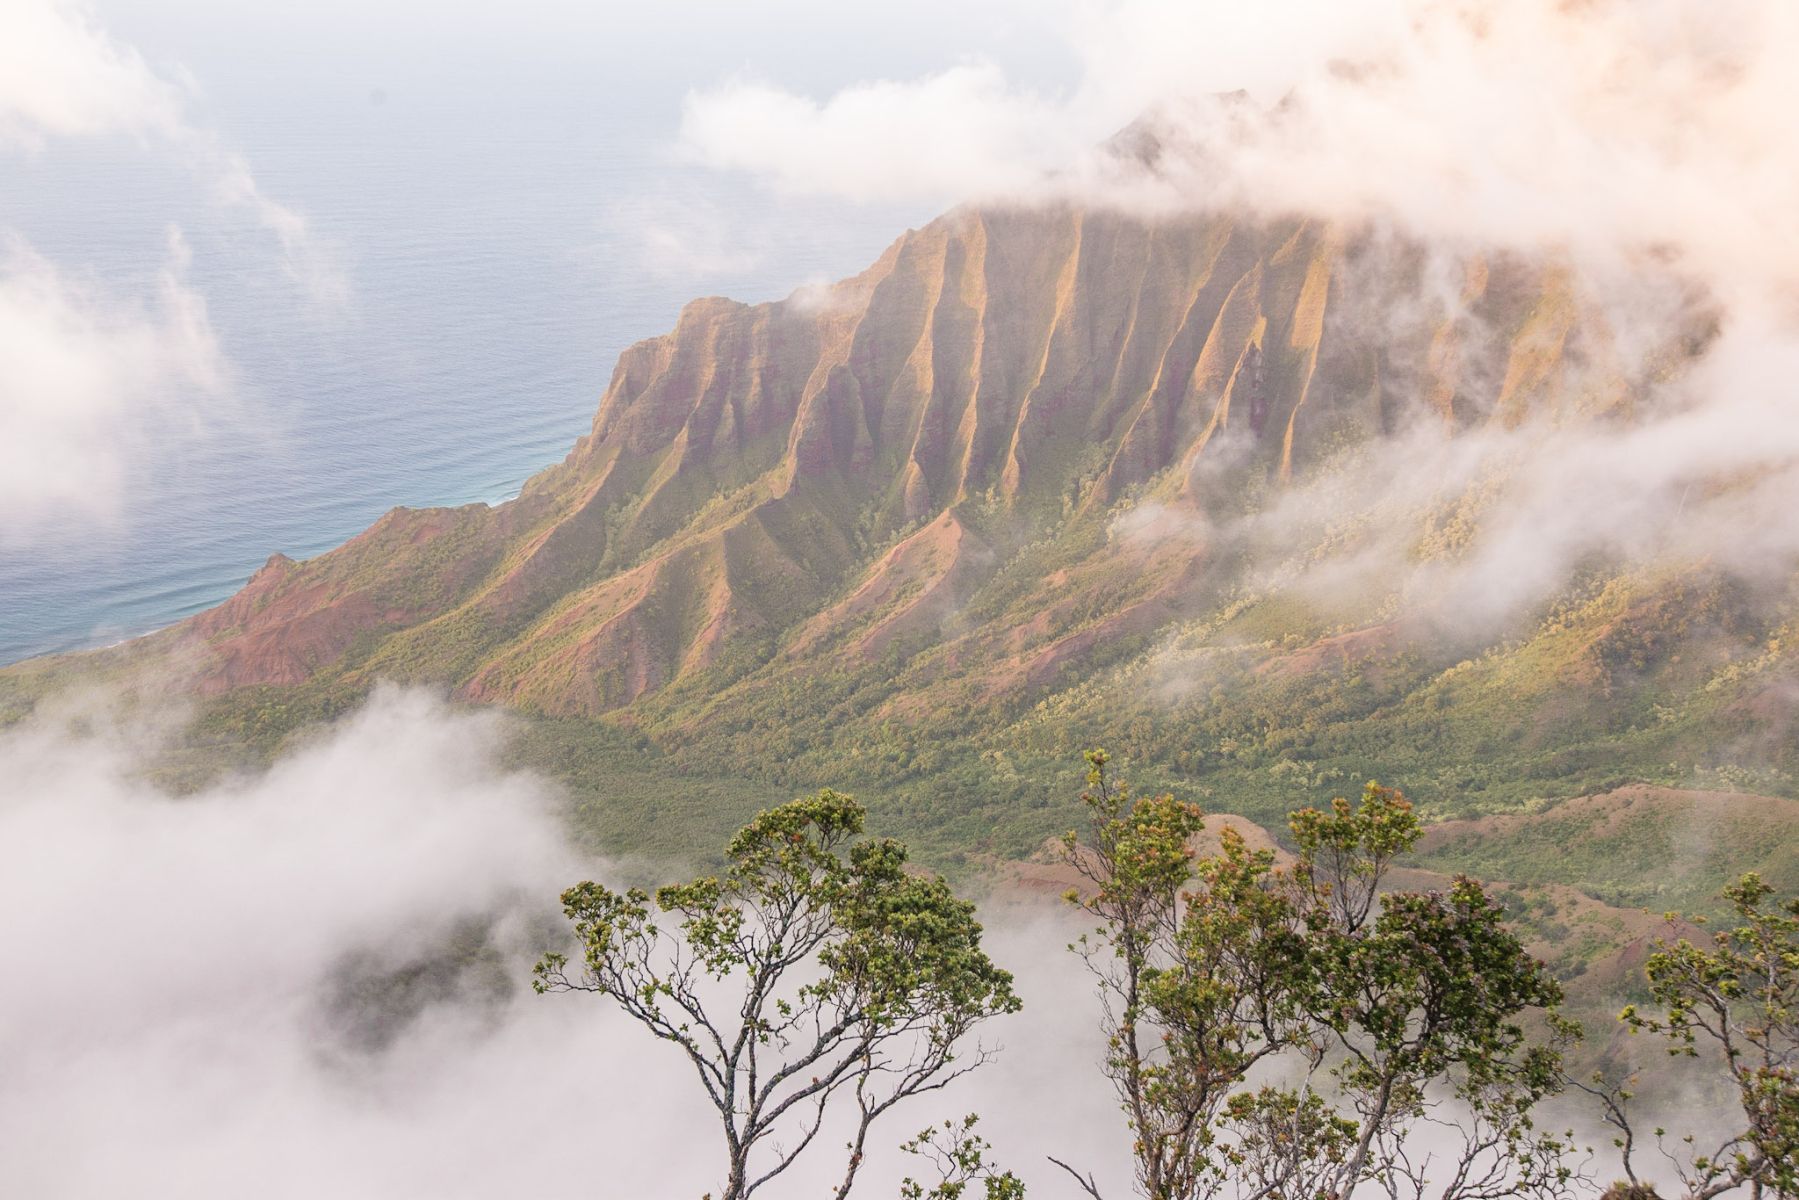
{"points": [[184, 1015], [1595, 126], [937, 138], [93, 384], [169, 1028], [1705, 472], [1710, 479], [62, 75]]}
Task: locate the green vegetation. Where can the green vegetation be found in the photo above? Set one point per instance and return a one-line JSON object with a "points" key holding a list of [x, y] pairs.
{"points": [[958, 769], [960, 1156], [1273, 1029], [1284, 1031], [1736, 1004]]}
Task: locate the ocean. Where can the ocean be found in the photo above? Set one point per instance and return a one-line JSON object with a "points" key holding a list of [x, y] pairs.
{"points": [[505, 230]]}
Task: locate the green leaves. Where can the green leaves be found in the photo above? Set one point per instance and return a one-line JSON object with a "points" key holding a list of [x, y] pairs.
{"points": [[960, 1157], [1739, 1000], [604, 922], [814, 969], [1344, 854], [909, 947], [1437, 975], [796, 838], [1374, 1002]]}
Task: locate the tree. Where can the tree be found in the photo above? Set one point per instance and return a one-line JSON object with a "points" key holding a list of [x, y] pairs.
{"points": [[815, 967], [1188, 1007], [960, 1156], [1419, 997], [1736, 1002], [1369, 1014]]}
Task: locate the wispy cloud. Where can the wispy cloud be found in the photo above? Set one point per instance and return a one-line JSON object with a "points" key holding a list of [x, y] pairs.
{"points": [[95, 383], [1645, 147], [681, 237], [63, 75], [1591, 126]]}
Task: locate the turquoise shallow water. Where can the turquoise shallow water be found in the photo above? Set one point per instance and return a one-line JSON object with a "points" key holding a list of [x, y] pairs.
{"points": [[500, 242]]}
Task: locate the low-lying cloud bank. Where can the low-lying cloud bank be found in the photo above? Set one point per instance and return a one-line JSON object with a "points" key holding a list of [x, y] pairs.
{"points": [[313, 982], [168, 1027]]}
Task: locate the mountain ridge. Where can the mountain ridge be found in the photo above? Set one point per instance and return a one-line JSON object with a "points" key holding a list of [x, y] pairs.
{"points": [[982, 360], [1023, 486]]}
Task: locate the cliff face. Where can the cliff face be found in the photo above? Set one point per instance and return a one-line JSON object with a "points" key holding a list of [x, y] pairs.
{"points": [[855, 471]]}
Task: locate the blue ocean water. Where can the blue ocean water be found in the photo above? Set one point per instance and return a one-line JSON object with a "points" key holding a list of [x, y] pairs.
{"points": [[505, 231]]}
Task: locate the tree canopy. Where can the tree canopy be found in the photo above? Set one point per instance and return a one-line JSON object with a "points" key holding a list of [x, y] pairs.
{"points": [[815, 966], [1286, 1031]]}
